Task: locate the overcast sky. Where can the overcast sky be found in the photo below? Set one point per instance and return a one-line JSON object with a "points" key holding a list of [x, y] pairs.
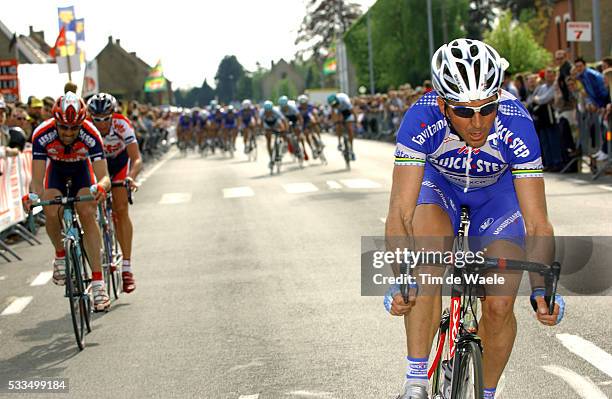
{"points": [[190, 37]]}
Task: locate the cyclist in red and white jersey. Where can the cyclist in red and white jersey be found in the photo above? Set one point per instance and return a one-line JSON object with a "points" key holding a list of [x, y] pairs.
{"points": [[69, 147], [124, 164]]}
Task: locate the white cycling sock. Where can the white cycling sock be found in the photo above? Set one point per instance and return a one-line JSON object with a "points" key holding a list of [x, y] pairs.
{"points": [[416, 373], [127, 266]]}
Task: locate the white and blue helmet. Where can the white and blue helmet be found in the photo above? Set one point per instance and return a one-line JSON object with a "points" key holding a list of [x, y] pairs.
{"points": [[467, 70]]}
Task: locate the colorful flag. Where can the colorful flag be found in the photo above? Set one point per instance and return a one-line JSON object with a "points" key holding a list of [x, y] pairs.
{"points": [[60, 43], [155, 80], [90, 79], [79, 28], [329, 66], [66, 18]]}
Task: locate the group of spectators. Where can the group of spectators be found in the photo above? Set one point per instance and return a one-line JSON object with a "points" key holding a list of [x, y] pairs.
{"points": [[571, 106], [566, 100], [19, 120]]}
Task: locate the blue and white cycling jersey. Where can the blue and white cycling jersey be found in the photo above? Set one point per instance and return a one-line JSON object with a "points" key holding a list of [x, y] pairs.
{"points": [[344, 102], [512, 145], [271, 120], [480, 178]]}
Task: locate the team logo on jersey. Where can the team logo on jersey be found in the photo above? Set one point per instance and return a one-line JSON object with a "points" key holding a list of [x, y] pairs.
{"points": [[429, 131], [516, 144], [465, 149], [485, 225]]}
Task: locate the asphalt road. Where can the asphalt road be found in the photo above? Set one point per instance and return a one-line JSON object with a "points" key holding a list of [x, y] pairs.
{"points": [[254, 292]]}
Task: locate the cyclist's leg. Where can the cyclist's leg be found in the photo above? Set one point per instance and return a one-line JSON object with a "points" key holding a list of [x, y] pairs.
{"points": [[497, 224], [268, 134], [123, 224]]}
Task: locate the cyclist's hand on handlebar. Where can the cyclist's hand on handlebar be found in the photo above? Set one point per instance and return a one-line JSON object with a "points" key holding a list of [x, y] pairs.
{"points": [[537, 298], [98, 192], [394, 301], [132, 184], [27, 201]]}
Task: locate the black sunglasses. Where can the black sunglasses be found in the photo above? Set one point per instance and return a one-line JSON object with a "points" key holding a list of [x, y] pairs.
{"points": [[464, 111], [66, 127], [101, 119]]}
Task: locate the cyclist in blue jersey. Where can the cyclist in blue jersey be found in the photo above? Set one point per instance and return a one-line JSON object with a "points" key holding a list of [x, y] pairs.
{"points": [[215, 122], [293, 117], [343, 117], [184, 129], [198, 119], [310, 125], [230, 125], [469, 143], [247, 116], [272, 119]]}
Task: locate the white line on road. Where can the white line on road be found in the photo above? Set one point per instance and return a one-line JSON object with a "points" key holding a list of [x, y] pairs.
{"points": [[148, 173], [175, 198], [237, 192], [582, 385], [334, 185], [42, 279], [17, 306], [254, 396], [2, 278], [609, 188], [360, 183], [299, 188], [246, 366], [577, 181], [588, 351], [310, 394], [384, 220]]}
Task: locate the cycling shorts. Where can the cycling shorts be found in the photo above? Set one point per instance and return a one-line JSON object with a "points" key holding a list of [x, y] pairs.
{"points": [[81, 173], [119, 167], [347, 115], [494, 210]]}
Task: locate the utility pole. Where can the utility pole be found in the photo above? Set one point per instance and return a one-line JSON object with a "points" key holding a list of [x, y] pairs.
{"points": [[597, 29], [430, 29], [370, 55]]}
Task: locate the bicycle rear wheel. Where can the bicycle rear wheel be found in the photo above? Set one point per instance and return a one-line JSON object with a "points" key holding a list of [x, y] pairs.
{"points": [[346, 152], [467, 372], [77, 297]]}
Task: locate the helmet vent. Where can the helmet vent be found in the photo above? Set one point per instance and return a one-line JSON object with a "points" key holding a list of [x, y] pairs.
{"points": [[456, 52], [473, 50]]}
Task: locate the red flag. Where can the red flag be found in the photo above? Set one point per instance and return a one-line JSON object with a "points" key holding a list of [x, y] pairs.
{"points": [[59, 42]]}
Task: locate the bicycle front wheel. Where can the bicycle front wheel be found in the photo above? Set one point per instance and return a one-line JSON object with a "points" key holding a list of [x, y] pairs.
{"points": [[467, 372], [75, 291]]}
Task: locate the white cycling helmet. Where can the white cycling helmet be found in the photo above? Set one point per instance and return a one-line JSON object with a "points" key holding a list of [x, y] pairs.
{"points": [[302, 99], [246, 103], [467, 70]]}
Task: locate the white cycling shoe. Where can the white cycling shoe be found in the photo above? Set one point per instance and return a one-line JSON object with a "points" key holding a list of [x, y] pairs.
{"points": [[59, 271], [101, 298], [414, 392]]}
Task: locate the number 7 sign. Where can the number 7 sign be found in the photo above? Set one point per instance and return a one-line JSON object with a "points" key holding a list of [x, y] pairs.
{"points": [[578, 31]]}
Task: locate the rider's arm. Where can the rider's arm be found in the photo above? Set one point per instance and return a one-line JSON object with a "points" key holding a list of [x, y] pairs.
{"points": [[38, 176], [403, 200], [135, 159], [101, 172]]}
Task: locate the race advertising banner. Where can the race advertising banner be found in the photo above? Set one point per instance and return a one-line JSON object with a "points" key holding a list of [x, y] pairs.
{"points": [[9, 82], [14, 175]]}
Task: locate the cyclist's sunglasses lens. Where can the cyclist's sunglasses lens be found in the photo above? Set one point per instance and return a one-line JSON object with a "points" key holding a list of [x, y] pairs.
{"points": [[465, 112], [66, 127], [101, 119]]}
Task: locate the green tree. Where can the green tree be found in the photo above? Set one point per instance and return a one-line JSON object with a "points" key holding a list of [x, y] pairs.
{"points": [[229, 73], [325, 21], [400, 39], [206, 93], [245, 87], [480, 18], [515, 42], [284, 87]]}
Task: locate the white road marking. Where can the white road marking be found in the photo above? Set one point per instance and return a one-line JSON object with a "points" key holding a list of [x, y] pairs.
{"points": [[2, 278], [154, 169], [42, 279], [577, 181], [588, 351], [254, 396], [360, 183], [175, 198], [237, 192], [609, 188], [334, 185], [384, 220], [605, 383], [17, 306], [582, 385], [299, 188], [311, 394], [245, 366]]}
